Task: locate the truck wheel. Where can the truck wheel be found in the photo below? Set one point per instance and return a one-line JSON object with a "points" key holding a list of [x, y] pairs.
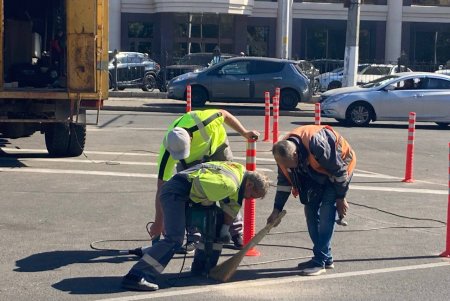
{"points": [[149, 83], [77, 140], [57, 138]]}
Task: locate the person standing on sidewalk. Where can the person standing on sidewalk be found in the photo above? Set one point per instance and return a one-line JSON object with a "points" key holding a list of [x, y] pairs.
{"points": [[196, 137], [316, 163], [224, 184]]}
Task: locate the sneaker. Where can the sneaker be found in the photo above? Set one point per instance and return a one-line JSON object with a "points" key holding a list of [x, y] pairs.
{"points": [[188, 248], [311, 264], [313, 271], [237, 241], [138, 252], [138, 283]]}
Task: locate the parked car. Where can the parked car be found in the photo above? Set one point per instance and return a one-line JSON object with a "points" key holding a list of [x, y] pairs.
{"points": [[327, 65], [333, 79], [375, 71], [134, 70], [443, 71], [390, 98], [188, 63], [244, 79]]}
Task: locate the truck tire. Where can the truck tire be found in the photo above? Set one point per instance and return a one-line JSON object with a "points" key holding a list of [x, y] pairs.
{"points": [[77, 140], [57, 138]]}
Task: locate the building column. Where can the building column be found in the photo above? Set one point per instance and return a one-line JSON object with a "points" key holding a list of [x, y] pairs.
{"points": [[114, 24], [393, 44]]}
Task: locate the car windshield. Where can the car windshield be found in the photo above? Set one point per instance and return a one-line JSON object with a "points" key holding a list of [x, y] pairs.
{"points": [[380, 81], [376, 70], [201, 60]]}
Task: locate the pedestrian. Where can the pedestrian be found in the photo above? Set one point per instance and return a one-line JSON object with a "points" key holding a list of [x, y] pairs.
{"points": [[225, 184], [196, 137], [316, 163], [217, 56]]}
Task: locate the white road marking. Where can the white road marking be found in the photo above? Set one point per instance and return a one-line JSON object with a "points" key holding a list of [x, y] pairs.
{"points": [[235, 286], [81, 160], [77, 172], [117, 129], [395, 189], [43, 151]]}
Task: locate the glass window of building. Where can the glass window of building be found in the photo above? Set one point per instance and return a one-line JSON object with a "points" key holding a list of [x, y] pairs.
{"points": [[258, 40], [140, 36], [202, 32], [431, 2]]}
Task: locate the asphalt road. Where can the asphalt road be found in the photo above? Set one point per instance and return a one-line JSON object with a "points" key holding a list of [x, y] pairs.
{"points": [[52, 209]]}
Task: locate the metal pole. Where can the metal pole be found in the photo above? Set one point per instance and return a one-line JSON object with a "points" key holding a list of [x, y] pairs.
{"points": [[115, 70], [284, 29], [352, 44]]}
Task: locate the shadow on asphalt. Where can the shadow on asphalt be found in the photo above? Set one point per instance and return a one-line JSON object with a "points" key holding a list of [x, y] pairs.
{"points": [[48, 261]]}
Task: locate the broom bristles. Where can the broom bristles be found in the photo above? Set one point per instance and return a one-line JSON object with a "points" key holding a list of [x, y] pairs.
{"points": [[224, 271]]}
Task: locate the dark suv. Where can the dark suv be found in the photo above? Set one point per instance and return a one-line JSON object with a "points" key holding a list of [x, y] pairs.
{"points": [[134, 70], [244, 79], [188, 63]]}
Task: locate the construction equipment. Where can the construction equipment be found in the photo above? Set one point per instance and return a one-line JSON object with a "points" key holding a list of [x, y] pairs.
{"points": [[53, 67], [224, 271]]}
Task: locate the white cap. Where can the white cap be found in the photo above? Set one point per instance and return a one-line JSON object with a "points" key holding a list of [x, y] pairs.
{"points": [[178, 143]]}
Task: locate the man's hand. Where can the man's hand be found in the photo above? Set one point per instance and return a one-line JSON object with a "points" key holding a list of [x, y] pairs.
{"points": [[273, 216], [342, 207], [251, 135], [156, 229]]}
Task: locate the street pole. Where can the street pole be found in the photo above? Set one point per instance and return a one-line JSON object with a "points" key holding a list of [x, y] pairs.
{"points": [[284, 29], [351, 43]]}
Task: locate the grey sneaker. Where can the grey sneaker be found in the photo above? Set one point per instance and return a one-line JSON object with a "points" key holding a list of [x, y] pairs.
{"points": [[314, 271], [138, 283], [188, 248], [312, 264]]}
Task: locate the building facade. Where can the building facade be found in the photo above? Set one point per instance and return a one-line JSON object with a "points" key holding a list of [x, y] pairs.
{"points": [[168, 29]]}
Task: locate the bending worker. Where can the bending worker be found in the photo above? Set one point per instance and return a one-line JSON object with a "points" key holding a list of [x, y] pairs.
{"points": [[226, 183], [315, 162], [196, 137]]}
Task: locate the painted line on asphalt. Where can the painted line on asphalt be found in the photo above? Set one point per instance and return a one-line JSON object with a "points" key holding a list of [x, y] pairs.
{"points": [[235, 286], [43, 151], [395, 189], [121, 129], [77, 172], [81, 160]]}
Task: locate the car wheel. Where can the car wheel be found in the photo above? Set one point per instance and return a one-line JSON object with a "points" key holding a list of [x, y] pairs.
{"points": [[149, 83], [334, 85], [199, 96], [288, 100], [442, 124], [359, 114]]}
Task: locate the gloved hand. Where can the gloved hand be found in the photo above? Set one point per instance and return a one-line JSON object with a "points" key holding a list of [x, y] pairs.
{"points": [[224, 236]]}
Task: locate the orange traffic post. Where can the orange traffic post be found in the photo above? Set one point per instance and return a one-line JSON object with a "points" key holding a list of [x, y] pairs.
{"points": [[410, 148], [277, 93], [249, 204], [267, 116], [446, 253], [276, 114], [317, 113], [189, 98]]}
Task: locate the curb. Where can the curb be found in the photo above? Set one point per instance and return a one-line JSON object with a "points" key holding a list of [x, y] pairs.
{"points": [[136, 94]]}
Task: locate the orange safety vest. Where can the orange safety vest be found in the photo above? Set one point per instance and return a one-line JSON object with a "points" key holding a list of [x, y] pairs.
{"points": [[305, 134]]}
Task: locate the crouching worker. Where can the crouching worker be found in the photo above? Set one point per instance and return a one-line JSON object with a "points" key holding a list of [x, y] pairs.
{"points": [[225, 184]]}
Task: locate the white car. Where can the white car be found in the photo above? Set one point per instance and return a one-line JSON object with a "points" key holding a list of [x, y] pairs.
{"points": [[333, 79], [443, 71], [376, 71], [390, 98]]}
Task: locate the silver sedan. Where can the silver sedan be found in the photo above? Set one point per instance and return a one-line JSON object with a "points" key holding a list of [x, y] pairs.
{"points": [[391, 98]]}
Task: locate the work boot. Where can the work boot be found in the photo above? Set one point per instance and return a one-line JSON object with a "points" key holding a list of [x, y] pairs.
{"points": [[237, 241], [311, 264], [313, 271], [138, 282], [138, 252]]}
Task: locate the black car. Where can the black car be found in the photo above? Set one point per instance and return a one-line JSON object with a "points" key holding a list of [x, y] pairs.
{"points": [[134, 70], [188, 63]]}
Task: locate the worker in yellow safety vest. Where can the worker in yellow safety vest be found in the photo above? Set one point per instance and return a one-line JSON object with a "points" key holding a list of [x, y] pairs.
{"points": [[224, 184], [316, 163], [196, 137]]}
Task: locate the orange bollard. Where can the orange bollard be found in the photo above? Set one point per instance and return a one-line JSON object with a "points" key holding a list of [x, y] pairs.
{"points": [[267, 116], [276, 114], [317, 113], [277, 94], [410, 149], [189, 99], [249, 204], [446, 253]]}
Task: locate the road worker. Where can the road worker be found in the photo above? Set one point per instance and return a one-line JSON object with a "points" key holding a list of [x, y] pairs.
{"points": [[316, 163], [225, 184], [195, 137]]}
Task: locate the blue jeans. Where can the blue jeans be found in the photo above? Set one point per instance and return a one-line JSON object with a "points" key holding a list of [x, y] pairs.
{"points": [[320, 218]]}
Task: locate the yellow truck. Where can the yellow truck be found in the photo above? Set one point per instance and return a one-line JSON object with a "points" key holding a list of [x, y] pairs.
{"points": [[54, 66]]}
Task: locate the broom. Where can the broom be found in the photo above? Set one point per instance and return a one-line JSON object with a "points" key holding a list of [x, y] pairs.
{"points": [[224, 271]]}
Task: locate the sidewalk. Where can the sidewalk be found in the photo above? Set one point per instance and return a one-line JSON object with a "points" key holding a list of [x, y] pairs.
{"points": [[157, 102]]}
